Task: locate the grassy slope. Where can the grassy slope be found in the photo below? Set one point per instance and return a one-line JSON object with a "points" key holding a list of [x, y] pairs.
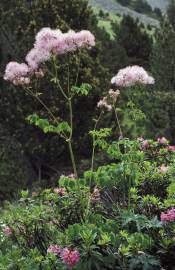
{"points": [[115, 8], [106, 22]]}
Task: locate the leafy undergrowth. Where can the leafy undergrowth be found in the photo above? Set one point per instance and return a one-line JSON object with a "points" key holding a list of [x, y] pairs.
{"points": [[119, 217]]}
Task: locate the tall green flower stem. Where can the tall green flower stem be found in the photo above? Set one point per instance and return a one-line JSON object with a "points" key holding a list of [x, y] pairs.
{"points": [[117, 118], [92, 164], [68, 97], [94, 144], [49, 112], [69, 141]]}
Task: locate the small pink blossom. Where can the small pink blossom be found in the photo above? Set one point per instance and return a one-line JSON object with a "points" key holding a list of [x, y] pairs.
{"points": [[54, 249], [103, 104], [114, 94], [71, 176], [162, 140], [140, 139], [132, 75], [164, 169], [169, 216], [39, 74], [7, 231], [70, 257], [34, 194]]}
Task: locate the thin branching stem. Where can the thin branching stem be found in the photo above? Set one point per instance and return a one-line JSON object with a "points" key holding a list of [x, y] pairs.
{"points": [[118, 122]]}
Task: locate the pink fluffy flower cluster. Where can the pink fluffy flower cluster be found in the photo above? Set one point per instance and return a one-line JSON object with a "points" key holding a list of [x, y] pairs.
{"points": [[132, 75], [17, 73], [168, 216], [69, 257], [47, 42]]}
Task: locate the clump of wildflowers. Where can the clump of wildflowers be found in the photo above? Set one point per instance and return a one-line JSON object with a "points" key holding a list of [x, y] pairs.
{"points": [[54, 249], [7, 231], [132, 75], [168, 216], [49, 41], [70, 257]]}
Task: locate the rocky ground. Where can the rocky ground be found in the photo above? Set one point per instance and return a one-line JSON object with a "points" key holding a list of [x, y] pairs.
{"points": [[162, 4]]}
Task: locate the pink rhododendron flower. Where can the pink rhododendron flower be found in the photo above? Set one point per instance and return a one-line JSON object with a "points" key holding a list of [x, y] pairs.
{"points": [[169, 216], [162, 140], [17, 73], [95, 196], [164, 169], [70, 257], [72, 176], [140, 139], [7, 231], [144, 145], [34, 194], [103, 104], [54, 249], [131, 75], [171, 148], [60, 191]]}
